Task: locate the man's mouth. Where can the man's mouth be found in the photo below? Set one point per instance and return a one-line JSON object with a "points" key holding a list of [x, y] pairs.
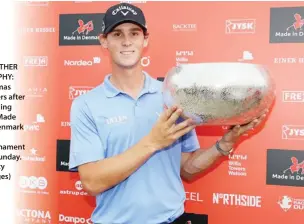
{"points": [[126, 52]]}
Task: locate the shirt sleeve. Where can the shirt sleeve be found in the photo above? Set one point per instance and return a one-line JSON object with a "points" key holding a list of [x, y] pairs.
{"points": [[85, 144], [190, 142]]}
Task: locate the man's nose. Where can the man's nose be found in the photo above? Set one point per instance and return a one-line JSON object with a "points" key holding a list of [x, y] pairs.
{"points": [[126, 41]]}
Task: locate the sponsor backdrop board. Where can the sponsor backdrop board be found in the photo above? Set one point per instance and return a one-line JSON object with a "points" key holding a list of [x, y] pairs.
{"points": [[262, 182]]}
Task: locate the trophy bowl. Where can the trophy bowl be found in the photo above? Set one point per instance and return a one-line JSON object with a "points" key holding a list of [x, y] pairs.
{"points": [[219, 93]]}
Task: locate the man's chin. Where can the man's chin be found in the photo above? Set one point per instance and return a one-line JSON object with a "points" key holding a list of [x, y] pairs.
{"points": [[128, 65]]}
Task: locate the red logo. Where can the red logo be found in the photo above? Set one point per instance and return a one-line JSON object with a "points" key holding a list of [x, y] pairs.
{"points": [[298, 24], [84, 28], [296, 166]]}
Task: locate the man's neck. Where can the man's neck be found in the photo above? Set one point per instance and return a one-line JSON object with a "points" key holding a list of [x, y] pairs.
{"points": [[130, 81]]}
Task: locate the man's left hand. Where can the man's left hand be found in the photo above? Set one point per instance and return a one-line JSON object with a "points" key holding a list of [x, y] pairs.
{"points": [[230, 138]]}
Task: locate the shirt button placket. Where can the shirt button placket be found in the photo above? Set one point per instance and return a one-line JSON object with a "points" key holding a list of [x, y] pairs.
{"points": [[135, 108]]}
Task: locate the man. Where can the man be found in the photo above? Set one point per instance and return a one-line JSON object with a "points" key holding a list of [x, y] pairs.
{"points": [[129, 151]]}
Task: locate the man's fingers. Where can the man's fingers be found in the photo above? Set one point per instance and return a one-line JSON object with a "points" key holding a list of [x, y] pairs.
{"points": [[170, 111], [183, 131], [167, 113], [236, 130], [181, 125], [241, 129], [174, 116], [259, 120]]}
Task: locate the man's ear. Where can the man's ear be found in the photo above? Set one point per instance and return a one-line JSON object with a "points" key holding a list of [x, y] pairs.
{"points": [[103, 41], [146, 39]]}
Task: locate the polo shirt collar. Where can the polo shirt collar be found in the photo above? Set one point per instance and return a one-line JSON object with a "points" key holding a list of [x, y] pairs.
{"points": [[112, 91]]}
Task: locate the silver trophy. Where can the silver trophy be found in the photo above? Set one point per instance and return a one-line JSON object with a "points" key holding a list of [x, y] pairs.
{"points": [[219, 93]]}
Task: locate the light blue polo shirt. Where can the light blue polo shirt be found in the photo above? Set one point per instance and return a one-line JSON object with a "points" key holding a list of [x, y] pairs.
{"points": [[104, 123]]}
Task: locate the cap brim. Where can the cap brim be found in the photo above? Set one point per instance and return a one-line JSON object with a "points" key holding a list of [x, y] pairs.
{"points": [[110, 28]]}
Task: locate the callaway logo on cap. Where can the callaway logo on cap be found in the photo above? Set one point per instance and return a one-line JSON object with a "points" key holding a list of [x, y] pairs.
{"points": [[122, 13]]}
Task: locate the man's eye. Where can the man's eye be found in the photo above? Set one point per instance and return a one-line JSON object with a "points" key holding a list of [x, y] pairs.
{"points": [[135, 33], [116, 34]]}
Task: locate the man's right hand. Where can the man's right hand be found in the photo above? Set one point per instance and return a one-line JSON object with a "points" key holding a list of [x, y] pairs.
{"points": [[166, 131]]}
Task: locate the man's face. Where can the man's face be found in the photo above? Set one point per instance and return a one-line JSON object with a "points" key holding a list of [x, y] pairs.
{"points": [[125, 44]]}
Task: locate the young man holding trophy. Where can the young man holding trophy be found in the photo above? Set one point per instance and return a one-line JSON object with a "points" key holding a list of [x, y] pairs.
{"points": [[129, 150]]}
